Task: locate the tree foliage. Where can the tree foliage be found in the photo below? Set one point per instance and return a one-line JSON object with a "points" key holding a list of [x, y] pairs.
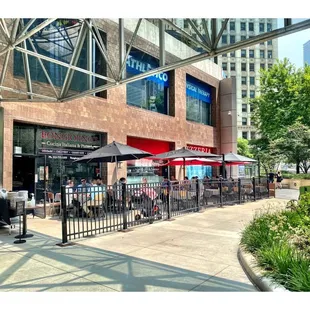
{"points": [[295, 145], [243, 147], [283, 105], [268, 156]]}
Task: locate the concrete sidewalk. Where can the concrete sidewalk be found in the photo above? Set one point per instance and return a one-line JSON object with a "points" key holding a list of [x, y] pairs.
{"points": [[196, 252]]}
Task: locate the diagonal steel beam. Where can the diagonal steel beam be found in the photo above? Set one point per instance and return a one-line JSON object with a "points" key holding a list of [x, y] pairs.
{"points": [[133, 38], [62, 63], [14, 29], [33, 31], [248, 42], [202, 38], [43, 68], [5, 28], [215, 44], [27, 35], [5, 35], [101, 46], [185, 34], [27, 26], [4, 68], [74, 59], [121, 44], [205, 27], [26, 62], [27, 93]]}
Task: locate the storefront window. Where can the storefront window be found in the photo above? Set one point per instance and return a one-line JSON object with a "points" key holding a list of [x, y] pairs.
{"points": [[198, 101], [48, 156], [150, 93], [153, 171]]}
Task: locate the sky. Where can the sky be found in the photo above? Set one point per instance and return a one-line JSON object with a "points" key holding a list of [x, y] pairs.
{"points": [[291, 46]]}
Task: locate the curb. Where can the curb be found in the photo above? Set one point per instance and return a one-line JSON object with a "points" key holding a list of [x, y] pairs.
{"points": [[247, 262]]}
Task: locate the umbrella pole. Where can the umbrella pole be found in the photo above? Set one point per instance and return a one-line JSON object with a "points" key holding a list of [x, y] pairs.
{"points": [[183, 168], [230, 171]]}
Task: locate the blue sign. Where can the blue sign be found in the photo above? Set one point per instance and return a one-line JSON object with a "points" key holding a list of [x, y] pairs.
{"points": [[136, 66], [198, 89]]}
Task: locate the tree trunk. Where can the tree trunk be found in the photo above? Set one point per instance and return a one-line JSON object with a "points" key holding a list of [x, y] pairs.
{"points": [[297, 168]]}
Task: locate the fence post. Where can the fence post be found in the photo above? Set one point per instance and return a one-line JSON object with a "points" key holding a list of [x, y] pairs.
{"points": [[125, 224], [168, 203], [64, 215], [197, 195], [221, 192], [254, 188], [239, 190]]}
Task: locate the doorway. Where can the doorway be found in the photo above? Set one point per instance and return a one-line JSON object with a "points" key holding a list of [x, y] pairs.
{"points": [[23, 173]]}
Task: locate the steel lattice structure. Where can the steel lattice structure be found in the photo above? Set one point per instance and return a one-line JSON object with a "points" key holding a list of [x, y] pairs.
{"points": [[33, 38]]}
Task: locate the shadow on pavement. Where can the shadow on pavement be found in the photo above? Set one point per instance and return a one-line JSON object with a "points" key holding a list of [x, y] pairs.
{"points": [[40, 265]]}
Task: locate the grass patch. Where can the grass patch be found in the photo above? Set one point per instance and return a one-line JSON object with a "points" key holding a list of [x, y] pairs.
{"points": [[281, 244]]}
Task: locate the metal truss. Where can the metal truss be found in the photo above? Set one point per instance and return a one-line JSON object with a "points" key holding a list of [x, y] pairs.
{"points": [[42, 39]]}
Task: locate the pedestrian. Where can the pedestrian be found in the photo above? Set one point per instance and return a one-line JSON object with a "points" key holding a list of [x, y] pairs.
{"points": [[271, 177], [279, 180]]}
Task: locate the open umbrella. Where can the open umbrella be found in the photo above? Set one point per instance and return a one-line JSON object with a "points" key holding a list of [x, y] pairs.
{"points": [[193, 162], [235, 159], [113, 153], [184, 153]]}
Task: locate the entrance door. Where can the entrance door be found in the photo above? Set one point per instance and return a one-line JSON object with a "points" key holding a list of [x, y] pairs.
{"points": [[23, 174]]}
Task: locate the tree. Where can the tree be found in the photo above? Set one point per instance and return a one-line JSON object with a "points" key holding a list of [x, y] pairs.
{"points": [[283, 99], [243, 147], [295, 145], [268, 156]]}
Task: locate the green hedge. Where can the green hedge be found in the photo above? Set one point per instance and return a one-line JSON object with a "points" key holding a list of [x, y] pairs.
{"points": [[281, 244], [301, 176]]}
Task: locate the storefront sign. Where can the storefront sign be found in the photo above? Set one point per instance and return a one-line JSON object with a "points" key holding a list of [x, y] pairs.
{"points": [[60, 152], [198, 89], [199, 148], [136, 66], [55, 138]]}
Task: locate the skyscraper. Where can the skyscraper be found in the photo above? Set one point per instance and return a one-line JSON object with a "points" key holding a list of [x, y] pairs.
{"points": [[244, 64], [307, 53]]}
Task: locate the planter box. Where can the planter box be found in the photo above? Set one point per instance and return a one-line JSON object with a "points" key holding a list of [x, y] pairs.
{"points": [[295, 183]]}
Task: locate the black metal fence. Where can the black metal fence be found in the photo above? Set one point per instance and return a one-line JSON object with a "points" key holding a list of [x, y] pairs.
{"points": [[92, 210]]}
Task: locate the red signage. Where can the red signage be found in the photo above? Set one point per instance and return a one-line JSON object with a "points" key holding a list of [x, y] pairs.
{"points": [[200, 148]]}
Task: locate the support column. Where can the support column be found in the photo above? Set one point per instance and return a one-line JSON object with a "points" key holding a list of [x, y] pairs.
{"points": [[122, 47]]}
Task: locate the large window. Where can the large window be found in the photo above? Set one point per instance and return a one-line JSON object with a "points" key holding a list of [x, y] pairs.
{"points": [[242, 26], [198, 101], [57, 41], [243, 53], [244, 134], [251, 26], [252, 93], [232, 66], [262, 54], [252, 67], [269, 27], [150, 93], [244, 93], [244, 107], [232, 26], [243, 66], [251, 53], [224, 66], [232, 39], [252, 80], [261, 27], [224, 39], [243, 80], [244, 121], [269, 54]]}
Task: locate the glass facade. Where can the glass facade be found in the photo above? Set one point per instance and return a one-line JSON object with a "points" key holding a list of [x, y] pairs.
{"points": [[198, 101], [57, 41], [150, 93], [48, 155]]}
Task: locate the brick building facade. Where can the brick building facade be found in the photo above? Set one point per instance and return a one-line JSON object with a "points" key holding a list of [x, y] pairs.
{"points": [[115, 119]]}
